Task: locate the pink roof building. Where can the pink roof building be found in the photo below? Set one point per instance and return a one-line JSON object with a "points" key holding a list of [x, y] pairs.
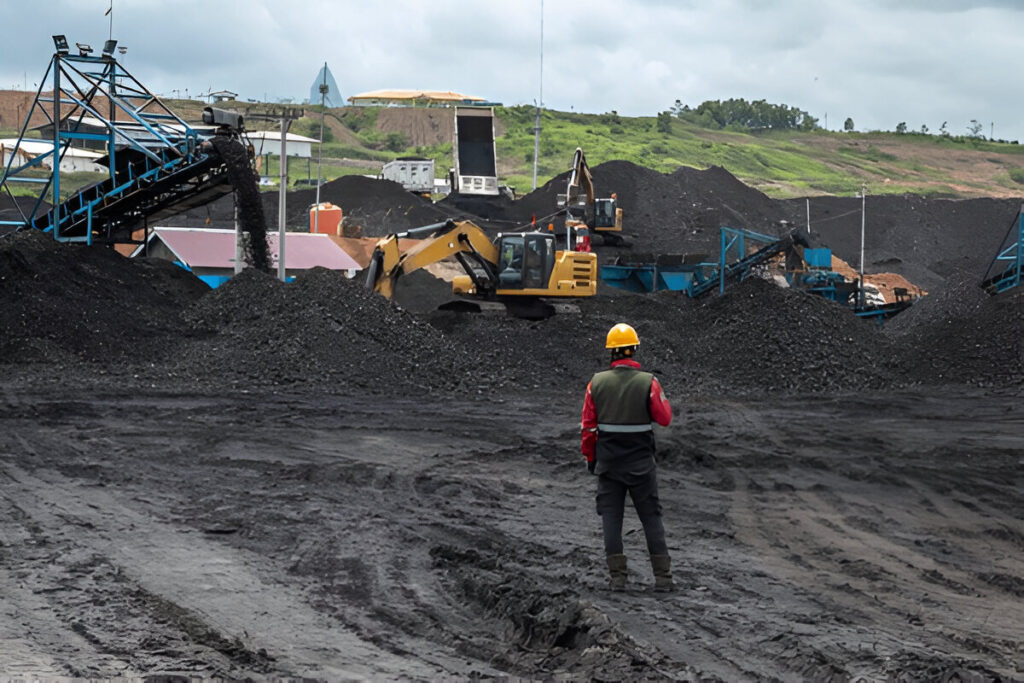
{"points": [[210, 254]]}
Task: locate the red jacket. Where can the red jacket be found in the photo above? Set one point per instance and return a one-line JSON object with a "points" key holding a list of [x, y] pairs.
{"points": [[661, 411]]}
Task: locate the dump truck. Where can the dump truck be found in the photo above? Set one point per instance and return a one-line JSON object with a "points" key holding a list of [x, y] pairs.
{"points": [[476, 166]]}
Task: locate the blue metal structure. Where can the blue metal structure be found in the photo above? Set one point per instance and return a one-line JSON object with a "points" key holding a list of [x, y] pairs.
{"points": [[696, 277], [819, 278], [640, 273], [693, 275], [157, 164], [1005, 271]]}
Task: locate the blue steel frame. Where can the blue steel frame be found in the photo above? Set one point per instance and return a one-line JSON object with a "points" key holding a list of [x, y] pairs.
{"points": [[1012, 255], [733, 237], [134, 118]]}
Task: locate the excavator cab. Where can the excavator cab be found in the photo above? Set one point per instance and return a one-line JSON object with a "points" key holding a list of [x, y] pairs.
{"points": [[604, 213], [526, 260]]}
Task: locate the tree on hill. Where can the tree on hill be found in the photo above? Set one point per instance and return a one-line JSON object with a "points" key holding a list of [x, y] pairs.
{"points": [[739, 113], [901, 127], [665, 122], [848, 124]]}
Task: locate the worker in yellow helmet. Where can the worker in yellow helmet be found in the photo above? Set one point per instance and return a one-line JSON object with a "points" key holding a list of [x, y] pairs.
{"points": [[618, 443]]}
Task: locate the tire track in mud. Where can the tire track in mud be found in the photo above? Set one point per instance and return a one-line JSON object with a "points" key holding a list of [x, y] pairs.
{"points": [[855, 542], [204, 589], [470, 544]]}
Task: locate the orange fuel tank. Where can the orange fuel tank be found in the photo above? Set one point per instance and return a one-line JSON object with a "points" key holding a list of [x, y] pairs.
{"points": [[329, 220]]}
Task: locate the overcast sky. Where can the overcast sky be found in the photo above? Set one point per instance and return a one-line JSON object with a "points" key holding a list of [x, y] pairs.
{"points": [[923, 62]]}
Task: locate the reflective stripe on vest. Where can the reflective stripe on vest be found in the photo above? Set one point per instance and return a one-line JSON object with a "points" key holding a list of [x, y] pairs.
{"points": [[624, 428]]}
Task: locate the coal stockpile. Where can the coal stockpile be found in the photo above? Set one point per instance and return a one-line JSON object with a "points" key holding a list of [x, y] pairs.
{"points": [[960, 337], [374, 207], [379, 207], [680, 212], [17, 208], [60, 303], [924, 240], [247, 197], [326, 330], [322, 329]]}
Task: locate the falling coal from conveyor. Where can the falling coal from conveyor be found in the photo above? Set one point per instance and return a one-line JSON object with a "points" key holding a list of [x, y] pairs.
{"points": [[247, 198]]}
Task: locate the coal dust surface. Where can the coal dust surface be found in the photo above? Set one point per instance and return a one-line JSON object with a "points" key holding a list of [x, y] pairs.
{"points": [[309, 481]]}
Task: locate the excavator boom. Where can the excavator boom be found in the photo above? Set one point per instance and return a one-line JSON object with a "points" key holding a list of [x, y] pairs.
{"points": [[439, 241], [513, 267], [582, 206]]}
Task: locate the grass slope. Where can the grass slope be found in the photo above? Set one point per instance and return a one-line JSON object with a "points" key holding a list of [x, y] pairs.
{"points": [[780, 163]]}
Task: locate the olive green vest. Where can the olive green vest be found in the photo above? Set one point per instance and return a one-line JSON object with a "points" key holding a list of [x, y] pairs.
{"points": [[622, 399]]}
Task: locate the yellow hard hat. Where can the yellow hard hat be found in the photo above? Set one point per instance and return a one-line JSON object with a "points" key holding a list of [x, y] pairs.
{"points": [[620, 336]]}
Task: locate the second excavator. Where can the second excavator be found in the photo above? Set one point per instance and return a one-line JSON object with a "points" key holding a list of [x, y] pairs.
{"points": [[583, 209]]}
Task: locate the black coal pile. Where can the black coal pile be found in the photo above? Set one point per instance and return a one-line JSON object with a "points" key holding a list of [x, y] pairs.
{"points": [[153, 321], [679, 212], [61, 302], [959, 297], [247, 195], [961, 336], [760, 337], [379, 207], [924, 240], [325, 330], [756, 338], [322, 329], [16, 208]]}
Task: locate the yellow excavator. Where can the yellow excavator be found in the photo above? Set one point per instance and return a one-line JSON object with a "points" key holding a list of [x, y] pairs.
{"points": [[517, 270], [583, 209]]}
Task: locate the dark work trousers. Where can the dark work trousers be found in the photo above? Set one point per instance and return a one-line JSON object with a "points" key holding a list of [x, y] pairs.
{"points": [[611, 502]]}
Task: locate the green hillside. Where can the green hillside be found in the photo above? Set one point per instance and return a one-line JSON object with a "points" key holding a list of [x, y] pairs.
{"points": [[781, 163], [790, 163]]}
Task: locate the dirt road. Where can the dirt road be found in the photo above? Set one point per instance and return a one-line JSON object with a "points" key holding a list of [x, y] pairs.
{"points": [[243, 534]]}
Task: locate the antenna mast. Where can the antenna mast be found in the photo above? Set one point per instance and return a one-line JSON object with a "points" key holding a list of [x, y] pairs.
{"points": [[540, 102]]}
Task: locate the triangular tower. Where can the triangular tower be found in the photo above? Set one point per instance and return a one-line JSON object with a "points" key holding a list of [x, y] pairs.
{"points": [[332, 96]]}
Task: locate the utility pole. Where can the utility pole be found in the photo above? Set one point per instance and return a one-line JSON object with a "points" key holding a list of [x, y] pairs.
{"points": [[239, 249], [540, 102], [320, 149], [808, 216], [282, 198], [863, 205]]}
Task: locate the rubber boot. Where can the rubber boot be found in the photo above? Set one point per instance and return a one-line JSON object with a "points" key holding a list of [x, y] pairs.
{"points": [[618, 571], [662, 565]]}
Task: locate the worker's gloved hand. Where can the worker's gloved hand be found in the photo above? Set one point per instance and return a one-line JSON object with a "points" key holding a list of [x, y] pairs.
{"points": [[591, 465]]}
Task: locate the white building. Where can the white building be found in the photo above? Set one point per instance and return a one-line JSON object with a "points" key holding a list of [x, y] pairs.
{"points": [[269, 142], [74, 160]]}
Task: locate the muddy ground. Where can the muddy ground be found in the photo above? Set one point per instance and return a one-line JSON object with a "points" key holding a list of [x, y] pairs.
{"points": [[309, 481], [288, 534]]}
